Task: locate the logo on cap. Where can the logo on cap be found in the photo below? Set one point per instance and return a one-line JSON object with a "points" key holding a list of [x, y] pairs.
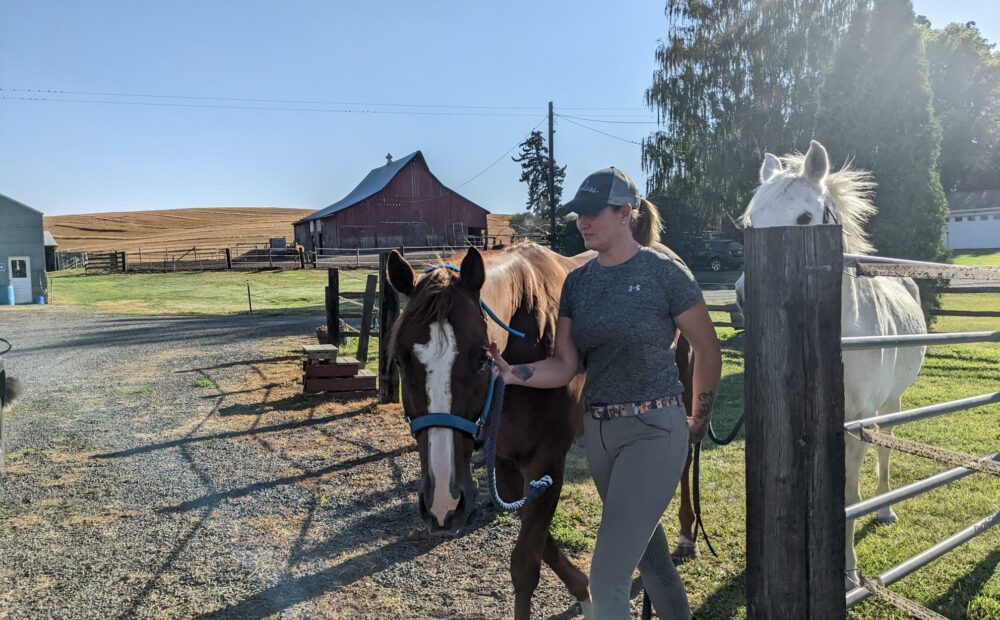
{"points": [[590, 189]]}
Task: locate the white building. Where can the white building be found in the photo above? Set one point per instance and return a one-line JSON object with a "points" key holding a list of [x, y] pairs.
{"points": [[973, 221]]}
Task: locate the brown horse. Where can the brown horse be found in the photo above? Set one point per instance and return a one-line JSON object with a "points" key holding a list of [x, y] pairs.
{"points": [[440, 343]]}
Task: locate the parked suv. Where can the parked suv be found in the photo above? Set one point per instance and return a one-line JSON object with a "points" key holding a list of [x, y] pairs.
{"points": [[719, 255]]}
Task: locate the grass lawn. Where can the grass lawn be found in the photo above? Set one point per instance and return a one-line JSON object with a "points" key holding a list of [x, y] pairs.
{"points": [[976, 257], [206, 292]]}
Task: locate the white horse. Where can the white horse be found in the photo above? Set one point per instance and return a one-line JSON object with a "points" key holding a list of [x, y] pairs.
{"points": [[799, 190]]}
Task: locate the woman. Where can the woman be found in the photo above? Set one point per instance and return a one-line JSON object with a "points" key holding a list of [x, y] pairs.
{"points": [[617, 319]]}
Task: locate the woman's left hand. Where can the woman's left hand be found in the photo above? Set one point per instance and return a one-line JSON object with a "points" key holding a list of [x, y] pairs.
{"points": [[697, 428]]}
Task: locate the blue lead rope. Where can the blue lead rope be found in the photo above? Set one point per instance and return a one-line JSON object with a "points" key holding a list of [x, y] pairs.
{"points": [[536, 487]]}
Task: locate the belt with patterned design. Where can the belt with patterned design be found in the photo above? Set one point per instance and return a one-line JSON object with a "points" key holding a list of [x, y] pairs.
{"points": [[606, 412]]}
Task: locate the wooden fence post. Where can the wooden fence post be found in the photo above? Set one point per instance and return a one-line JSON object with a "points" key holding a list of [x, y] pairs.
{"points": [[229, 258], [794, 399], [366, 319], [124, 262], [333, 306], [388, 310]]}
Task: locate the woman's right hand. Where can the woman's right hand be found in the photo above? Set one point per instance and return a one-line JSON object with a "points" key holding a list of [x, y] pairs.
{"points": [[500, 366]]}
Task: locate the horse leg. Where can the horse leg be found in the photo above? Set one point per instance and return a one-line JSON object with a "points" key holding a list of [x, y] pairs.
{"points": [[576, 580], [855, 455], [886, 515], [526, 560], [685, 540]]}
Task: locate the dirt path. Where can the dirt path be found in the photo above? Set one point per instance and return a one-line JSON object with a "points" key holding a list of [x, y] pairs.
{"points": [[169, 467]]}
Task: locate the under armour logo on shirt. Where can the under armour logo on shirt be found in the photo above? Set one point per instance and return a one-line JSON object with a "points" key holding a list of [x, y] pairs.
{"points": [[633, 288]]}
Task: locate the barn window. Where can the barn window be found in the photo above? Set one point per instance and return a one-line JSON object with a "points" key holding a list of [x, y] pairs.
{"points": [[997, 216], [984, 217]]}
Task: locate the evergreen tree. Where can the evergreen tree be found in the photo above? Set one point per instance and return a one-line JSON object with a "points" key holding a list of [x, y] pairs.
{"points": [[965, 77], [534, 160], [878, 111], [735, 78]]}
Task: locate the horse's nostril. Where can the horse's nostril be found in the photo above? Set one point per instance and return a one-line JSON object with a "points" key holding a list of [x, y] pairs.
{"points": [[804, 219]]}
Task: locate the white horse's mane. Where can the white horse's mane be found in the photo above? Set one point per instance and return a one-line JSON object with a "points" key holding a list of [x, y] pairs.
{"points": [[850, 189]]}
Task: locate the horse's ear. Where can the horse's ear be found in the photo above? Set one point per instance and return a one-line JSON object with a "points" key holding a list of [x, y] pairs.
{"points": [[817, 164], [400, 273], [473, 271], [770, 167]]}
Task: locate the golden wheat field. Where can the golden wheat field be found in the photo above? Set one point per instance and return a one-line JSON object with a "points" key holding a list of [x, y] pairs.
{"points": [[209, 228], [132, 231]]}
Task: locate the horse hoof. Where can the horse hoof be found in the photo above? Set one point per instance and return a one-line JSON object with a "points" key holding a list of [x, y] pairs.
{"points": [[684, 552], [887, 516]]}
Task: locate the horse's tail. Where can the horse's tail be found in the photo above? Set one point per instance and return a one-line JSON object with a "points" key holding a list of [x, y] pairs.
{"points": [[12, 391]]}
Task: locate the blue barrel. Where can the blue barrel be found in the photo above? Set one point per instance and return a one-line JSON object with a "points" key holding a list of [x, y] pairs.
{"points": [[40, 300], [10, 295]]}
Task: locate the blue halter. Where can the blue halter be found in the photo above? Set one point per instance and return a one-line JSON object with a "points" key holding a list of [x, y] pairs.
{"points": [[447, 420], [458, 423], [477, 429]]}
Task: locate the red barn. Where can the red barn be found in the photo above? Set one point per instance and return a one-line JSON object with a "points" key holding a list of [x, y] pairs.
{"points": [[399, 204]]}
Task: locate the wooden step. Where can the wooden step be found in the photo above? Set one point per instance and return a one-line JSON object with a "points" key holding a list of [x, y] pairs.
{"points": [[343, 367], [364, 381], [319, 351]]}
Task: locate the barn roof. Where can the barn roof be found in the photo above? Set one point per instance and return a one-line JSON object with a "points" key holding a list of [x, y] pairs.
{"points": [[372, 184], [50, 241], [969, 201]]}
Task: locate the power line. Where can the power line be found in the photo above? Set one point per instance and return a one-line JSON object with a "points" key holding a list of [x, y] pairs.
{"points": [[597, 120], [480, 173], [497, 161], [264, 108], [289, 101], [261, 100], [603, 133]]}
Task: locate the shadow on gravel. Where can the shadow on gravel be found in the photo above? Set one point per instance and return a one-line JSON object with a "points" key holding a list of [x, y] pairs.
{"points": [[263, 360], [203, 331], [294, 590], [285, 405], [275, 428], [215, 498]]}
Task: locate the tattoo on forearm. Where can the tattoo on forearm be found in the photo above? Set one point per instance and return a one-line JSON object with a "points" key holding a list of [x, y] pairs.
{"points": [[522, 372], [704, 407]]}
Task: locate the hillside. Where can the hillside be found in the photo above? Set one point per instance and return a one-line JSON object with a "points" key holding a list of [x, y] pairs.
{"points": [[183, 228], [172, 228]]}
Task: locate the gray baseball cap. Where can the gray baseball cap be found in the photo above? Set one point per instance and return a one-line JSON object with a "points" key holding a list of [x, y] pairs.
{"points": [[608, 187]]}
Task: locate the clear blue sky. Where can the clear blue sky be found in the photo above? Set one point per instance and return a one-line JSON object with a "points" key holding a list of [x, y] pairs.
{"points": [[78, 157]]}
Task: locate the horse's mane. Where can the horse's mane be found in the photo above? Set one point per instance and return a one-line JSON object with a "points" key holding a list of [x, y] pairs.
{"points": [[523, 270], [851, 190]]}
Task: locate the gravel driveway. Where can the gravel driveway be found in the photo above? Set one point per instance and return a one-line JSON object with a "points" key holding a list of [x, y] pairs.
{"points": [[170, 467]]}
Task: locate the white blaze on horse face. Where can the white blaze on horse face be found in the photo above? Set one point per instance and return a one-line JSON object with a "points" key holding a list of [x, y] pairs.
{"points": [[438, 357]]}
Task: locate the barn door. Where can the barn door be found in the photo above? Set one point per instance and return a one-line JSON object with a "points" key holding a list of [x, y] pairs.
{"points": [[20, 277]]}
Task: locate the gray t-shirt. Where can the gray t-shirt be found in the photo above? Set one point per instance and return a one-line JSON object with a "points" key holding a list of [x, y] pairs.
{"points": [[623, 325]]}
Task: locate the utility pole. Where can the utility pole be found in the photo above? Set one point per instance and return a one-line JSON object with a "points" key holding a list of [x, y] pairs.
{"points": [[552, 181]]}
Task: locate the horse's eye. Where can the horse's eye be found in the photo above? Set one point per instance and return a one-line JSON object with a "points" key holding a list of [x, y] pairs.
{"points": [[804, 219]]}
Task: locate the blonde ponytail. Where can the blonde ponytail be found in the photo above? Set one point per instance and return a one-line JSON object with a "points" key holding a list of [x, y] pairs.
{"points": [[646, 223]]}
